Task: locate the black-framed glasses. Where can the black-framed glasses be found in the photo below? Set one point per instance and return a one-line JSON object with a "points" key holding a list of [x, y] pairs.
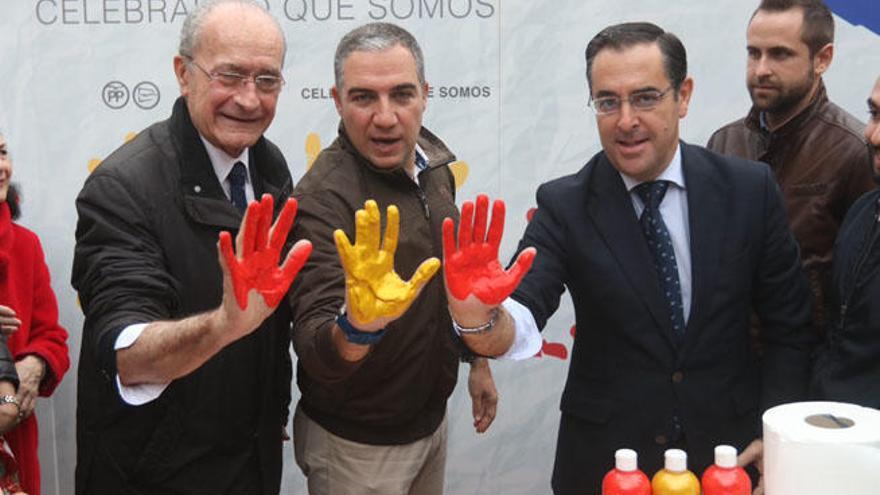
{"points": [[640, 100], [265, 83]]}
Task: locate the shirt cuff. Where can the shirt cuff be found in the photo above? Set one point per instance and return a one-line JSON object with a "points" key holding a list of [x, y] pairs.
{"points": [[527, 339], [142, 393]]}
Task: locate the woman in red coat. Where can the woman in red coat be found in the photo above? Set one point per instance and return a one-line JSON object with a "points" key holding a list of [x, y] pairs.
{"points": [[29, 311]]}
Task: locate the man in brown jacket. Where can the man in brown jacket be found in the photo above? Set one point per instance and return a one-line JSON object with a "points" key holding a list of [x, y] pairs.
{"points": [[372, 417], [814, 147]]}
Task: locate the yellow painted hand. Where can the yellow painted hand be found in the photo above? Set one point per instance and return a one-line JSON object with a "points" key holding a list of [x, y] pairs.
{"points": [[375, 295]]}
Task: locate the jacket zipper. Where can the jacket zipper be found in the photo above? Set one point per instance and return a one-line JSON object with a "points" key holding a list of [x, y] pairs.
{"points": [[424, 200]]}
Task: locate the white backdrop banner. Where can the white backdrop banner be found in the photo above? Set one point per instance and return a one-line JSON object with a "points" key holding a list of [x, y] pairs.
{"points": [[508, 95]]}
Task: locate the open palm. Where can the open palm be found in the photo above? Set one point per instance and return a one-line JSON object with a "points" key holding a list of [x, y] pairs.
{"points": [[473, 267], [375, 293]]}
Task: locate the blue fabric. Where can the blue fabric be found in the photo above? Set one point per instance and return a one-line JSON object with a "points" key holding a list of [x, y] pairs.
{"points": [[421, 161], [660, 245], [237, 177]]}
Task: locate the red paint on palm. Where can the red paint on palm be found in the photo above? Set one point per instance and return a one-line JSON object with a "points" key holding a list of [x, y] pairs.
{"points": [[473, 267], [261, 245]]}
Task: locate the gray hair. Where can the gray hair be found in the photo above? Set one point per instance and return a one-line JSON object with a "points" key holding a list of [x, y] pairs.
{"points": [[377, 37], [192, 26]]}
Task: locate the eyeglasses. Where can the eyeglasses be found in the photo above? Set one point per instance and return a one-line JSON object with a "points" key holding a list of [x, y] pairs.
{"points": [[641, 100], [264, 83]]}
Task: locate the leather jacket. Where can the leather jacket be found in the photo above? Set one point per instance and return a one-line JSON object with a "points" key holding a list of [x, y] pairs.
{"points": [[822, 165]]}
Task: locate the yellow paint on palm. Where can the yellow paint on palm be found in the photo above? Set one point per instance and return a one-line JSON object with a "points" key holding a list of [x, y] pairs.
{"points": [[460, 172], [375, 291], [313, 148]]}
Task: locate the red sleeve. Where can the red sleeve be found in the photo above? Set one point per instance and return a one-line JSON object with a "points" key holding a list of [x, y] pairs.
{"points": [[47, 338]]}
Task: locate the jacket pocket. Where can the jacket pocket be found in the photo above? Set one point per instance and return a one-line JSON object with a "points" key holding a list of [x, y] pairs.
{"points": [[155, 462], [592, 409]]}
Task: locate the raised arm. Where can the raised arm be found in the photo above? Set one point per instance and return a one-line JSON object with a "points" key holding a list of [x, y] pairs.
{"points": [[253, 286], [476, 283]]}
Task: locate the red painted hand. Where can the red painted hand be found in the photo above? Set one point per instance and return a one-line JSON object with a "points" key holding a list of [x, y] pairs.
{"points": [[259, 247], [473, 267]]}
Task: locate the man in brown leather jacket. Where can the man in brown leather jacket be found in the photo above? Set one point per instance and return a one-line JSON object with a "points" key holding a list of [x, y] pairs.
{"points": [[814, 147]]}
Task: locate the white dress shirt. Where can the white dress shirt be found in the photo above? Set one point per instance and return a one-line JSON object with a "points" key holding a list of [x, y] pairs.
{"points": [[673, 208]]}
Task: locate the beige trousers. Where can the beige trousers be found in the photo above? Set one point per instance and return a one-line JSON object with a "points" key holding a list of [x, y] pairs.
{"points": [[336, 466]]}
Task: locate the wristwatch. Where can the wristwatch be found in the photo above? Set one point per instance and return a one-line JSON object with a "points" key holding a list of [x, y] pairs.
{"points": [[354, 335]]}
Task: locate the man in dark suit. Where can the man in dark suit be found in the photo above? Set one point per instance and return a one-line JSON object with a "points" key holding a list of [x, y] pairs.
{"points": [[665, 248]]}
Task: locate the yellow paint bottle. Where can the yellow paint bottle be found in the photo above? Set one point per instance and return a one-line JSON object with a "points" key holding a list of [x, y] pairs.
{"points": [[674, 478]]}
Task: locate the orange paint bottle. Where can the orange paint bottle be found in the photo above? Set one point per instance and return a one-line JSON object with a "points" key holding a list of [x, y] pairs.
{"points": [[674, 478], [725, 477], [625, 478]]}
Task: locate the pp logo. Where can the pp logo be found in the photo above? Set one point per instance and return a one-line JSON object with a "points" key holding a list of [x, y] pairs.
{"points": [[115, 95], [145, 95]]}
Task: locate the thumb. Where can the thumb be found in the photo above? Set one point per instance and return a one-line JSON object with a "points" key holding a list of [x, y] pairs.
{"points": [[296, 258], [424, 273], [228, 264]]}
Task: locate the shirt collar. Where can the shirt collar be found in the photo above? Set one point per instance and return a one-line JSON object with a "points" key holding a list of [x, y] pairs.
{"points": [[421, 159], [673, 173], [223, 163]]}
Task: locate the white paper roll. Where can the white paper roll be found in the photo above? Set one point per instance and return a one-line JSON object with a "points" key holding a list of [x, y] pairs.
{"points": [[821, 448]]}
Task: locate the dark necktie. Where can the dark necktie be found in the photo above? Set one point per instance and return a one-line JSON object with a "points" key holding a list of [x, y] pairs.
{"points": [[236, 186], [661, 247]]}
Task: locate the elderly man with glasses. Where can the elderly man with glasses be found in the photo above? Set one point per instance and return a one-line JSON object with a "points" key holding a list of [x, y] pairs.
{"points": [[185, 371], [665, 248]]}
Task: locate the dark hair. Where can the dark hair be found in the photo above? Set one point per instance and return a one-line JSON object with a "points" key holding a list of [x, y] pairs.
{"points": [[12, 199], [818, 28], [629, 34]]}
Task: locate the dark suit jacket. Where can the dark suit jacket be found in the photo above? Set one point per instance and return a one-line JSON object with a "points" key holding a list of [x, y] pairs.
{"points": [[631, 383], [146, 250]]}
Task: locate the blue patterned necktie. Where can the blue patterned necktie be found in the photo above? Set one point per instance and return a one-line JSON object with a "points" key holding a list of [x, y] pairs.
{"points": [[660, 245], [236, 177]]}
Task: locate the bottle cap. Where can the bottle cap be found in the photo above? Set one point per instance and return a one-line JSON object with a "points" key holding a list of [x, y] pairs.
{"points": [[626, 460], [676, 460], [725, 456]]}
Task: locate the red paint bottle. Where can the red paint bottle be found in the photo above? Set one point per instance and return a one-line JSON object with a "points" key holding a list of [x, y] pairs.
{"points": [[725, 477], [625, 478]]}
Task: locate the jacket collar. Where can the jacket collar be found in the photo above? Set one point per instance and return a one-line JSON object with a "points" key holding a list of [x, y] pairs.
{"points": [[610, 207], [203, 196], [436, 152], [819, 100]]}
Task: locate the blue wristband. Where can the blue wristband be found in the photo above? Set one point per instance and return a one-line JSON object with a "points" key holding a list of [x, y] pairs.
{"points": [[356, 336]]}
